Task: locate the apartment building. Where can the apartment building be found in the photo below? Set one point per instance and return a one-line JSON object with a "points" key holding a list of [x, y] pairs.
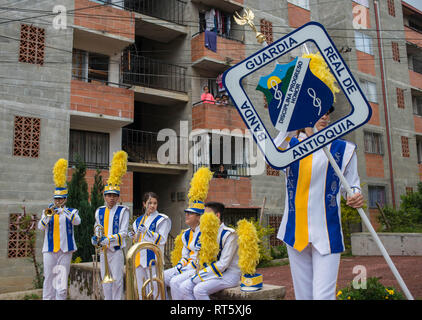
{"points": [[129, 75]]}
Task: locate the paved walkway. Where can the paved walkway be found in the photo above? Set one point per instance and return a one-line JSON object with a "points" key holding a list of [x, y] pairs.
{"points": [[410, 268]]}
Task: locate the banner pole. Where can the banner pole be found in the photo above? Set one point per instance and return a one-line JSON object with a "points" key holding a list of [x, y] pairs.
{"points": [[368, 224]]}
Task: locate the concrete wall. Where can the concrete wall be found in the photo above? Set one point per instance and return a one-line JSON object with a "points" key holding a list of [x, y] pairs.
{"points": [[32, 91], [396, 244]]}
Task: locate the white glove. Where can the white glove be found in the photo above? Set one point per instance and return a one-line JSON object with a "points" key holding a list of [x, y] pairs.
{"points": [[142, 228], [105, 241], [131, 234]]}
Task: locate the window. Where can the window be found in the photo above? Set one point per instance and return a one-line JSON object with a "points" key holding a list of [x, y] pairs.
{"points": [[391, 9], [216, 149], [400, 98], [409, 190], [363, 42], [405, 147], [26, 141], [301, 3], [373, 143], [369, 90], [19, 240], [267, 30], [91, 147], [376, 194], [417, 105], [32, 45], [88, 66], [395, 49], [419, 148]]}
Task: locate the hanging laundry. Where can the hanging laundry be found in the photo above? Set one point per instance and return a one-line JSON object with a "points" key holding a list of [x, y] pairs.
{"points": [[211, 40], [210, 20]]}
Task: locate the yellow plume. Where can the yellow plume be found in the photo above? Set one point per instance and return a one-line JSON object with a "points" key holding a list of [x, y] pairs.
{"points": [[209, 224], [248, 246], [59, 173], [118, 168], [200, 184], [319, 68], [176, 254]]}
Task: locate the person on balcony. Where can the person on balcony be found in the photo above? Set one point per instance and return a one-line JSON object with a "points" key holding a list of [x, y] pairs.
{"points": [[225, 99], [221, 173], [207, 97]]}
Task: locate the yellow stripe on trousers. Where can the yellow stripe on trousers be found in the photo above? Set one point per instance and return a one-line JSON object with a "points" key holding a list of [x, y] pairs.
{"points": [[56, 233], [301, 203], [138, 255]]}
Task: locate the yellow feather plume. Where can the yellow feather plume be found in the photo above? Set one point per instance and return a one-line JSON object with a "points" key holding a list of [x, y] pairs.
{"points": [[209, 224], [59, 173], [118, 168], [176, 254], [248, 246], [319, 68], [200, 184]]}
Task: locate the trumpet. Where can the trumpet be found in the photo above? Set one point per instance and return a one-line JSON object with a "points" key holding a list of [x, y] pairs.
{"points": [[49, 212], [99, 233]]}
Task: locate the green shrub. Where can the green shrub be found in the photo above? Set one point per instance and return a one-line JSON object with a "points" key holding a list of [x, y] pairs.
{"points": [[374, 290], [279, 252]]}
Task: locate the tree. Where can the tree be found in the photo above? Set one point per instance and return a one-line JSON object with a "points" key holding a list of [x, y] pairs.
{"points": [[78, 198]]}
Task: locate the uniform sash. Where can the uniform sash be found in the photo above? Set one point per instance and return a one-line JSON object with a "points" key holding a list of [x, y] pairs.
{"points": [[53, 237], [116, 219], [152, 227]]}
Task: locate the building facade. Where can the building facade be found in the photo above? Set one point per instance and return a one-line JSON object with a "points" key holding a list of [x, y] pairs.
{"points": [[88, 78]]}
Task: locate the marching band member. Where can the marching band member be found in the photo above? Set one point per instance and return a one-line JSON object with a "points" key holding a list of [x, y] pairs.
{"points": [[154, 227], [114, 219], [311, 223], [186, 265], [59, 242], [223, 272]]}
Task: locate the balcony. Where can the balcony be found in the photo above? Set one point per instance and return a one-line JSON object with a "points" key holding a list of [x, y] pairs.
{"points": [[142, 148], [233, 193], [159, 20], [212, 116], [102, 28], [225, 5], [229, 52], [95, 104], [154, 81], [415, 79], [413, 36]]}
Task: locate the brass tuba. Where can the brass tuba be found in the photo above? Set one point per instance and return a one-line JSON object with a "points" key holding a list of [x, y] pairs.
{"points": [[99, 233], [131, 282]]}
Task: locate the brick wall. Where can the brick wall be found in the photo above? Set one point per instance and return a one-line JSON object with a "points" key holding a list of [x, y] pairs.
{"points": [[225, 48], [374, 165], [126, 188], [211, 116], [297, 15], [101, 99], [413, 36], [104, 18], [418, 123], [366, 62], [415, 79], [229, 191], [373, 214], [375, 118]]}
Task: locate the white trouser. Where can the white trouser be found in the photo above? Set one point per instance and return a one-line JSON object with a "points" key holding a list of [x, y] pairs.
{"points": [[202, 290], [143, 273], [176, 280], [314, 275], [114, 290], [56, 273]]}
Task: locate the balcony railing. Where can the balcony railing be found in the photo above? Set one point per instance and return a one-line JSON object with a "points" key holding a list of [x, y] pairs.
{"points": [[144, 71], [170, 10], [142, 146]]}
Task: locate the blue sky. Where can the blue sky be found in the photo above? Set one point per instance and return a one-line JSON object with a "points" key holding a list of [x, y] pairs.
{"points": [[415, 3]]}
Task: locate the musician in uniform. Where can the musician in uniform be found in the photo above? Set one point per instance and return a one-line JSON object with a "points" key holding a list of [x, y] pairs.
{"points": [[59, 242], [311, 224], [114, 219], [153, 227], [221, 274]]}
